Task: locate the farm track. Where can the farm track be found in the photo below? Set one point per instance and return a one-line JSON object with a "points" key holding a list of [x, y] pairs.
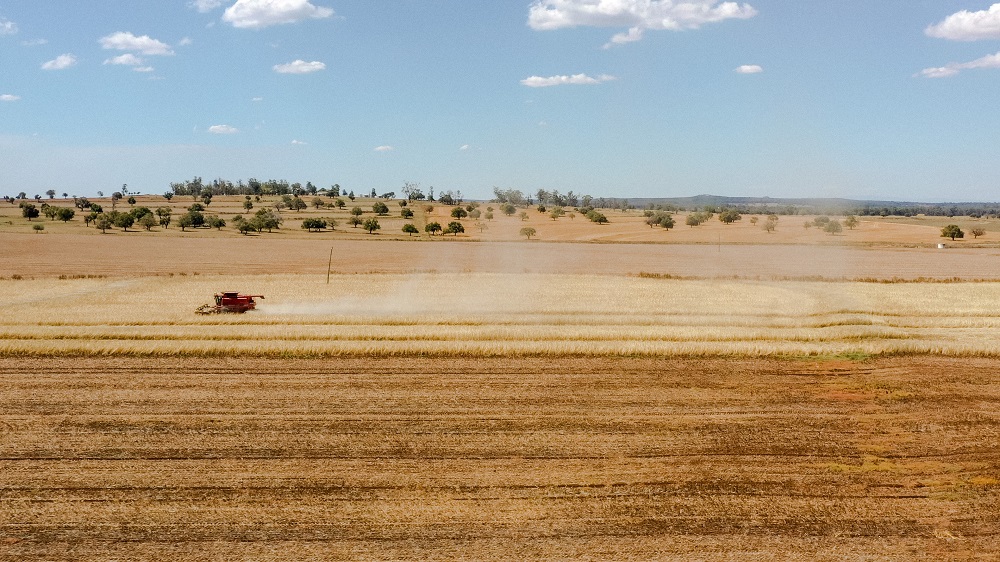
{"points": [[505, 458]]}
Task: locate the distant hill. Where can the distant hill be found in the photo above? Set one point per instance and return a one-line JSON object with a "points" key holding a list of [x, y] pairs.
{"points": [[831, 204]]}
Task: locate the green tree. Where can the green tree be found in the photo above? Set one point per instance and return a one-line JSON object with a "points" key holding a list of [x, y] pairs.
{"points": [[489, 215], [104, 222], [729, 216], [851, 222], [528, 232], [508, 209], [168, 196], [297, 204], [380, 208], [459, 213], [523, 215], [952, 231], [693, 220], [185, 222], [355, 221], [51, 193], [29, 211], [770, 225], [371, 225], [317, 202], [215, 221], [164, 214], [123, 220], [248, 204], [314, 224], [147, 222], [432, 228], [406, 213], [131, 200], [410, 230], [833, 227], [38, 228], [65, 214], [454, 227], [356, 211]]}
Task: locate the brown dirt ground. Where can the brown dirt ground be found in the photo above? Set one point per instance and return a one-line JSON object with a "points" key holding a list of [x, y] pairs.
{"points": [[70, 254], [412, 458]]}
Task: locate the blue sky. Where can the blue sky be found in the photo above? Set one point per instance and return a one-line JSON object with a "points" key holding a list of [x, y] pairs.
{"points": [[875, 99]]}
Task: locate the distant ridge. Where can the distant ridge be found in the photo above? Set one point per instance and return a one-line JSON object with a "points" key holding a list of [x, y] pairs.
{"points": [[800, 203]]}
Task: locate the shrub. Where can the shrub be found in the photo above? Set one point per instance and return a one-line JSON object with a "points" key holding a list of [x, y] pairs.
{"points": [[38, 228]]}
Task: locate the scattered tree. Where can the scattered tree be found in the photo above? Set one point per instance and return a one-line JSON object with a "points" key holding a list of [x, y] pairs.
{"points": [[729, 216], [147, 222], [216, 222], [455, 228], [355, 221], [314, 224], [38, 228], [770, 225], [459, 213], [432, 228], [371, 225], [977, 232], [51, 193], [410, 230], [29, 211], [523, 215], [65, 214], [104, 222], [131, 200], [380, 208], [952, 231], [528, 232], [406, 213], [851, 222], [833, 227]]}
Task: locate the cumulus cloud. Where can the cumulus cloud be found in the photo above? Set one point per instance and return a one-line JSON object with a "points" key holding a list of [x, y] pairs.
{"points": [[299, 67], [750, 69], [464, 147], [125, 41], [223, 130], [574, 80], [258, 14], [185, 42], [128, 59], [257, 99], [204, 6], [632, 35], [989, 61], [298, 142], [7, 27], [384, 148], [9, 97], [60, 63], [636, 15], [968, 26]]}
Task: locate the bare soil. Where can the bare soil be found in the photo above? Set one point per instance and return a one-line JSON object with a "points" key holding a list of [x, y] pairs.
{"points": [[410, 458], [71, 254]]}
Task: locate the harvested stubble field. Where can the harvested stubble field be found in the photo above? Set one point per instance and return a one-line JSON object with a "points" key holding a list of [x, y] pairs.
{"points": [[469, 412], [498, 458]]}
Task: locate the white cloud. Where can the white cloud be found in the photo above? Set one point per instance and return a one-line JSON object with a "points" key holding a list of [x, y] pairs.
{"points": [[125, 41], [257, 99], [968, 26], [298, 142], [299, 67], [7, 27], [749, 69], [185, 42], [989, 61], [223, 130], [632, 35], [636, 15], [257, 14], [128, 59], [144, 69], [464, 147], [575, 80], [204, 6], [60, 63], [34, 42], [9, 97], [384, 148]]}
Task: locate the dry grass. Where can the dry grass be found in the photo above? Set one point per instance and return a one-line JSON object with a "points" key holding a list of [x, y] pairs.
{"points": [[498, 315]]}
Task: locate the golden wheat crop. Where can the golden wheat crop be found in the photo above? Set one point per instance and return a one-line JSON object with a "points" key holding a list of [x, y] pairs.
{"points": [[497, 315]]}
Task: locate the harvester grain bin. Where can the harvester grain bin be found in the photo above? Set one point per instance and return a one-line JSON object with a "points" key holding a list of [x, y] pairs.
{"points": [[230, 302]]}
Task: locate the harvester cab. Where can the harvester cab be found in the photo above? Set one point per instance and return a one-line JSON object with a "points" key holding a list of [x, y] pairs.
{"points": [[230, 302]]}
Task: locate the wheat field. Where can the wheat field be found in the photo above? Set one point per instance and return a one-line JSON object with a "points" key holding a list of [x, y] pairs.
{"points": [[478, 314]]}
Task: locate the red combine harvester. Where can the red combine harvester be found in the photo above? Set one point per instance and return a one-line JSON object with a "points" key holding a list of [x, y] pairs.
{"points": [[231, 302]]}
